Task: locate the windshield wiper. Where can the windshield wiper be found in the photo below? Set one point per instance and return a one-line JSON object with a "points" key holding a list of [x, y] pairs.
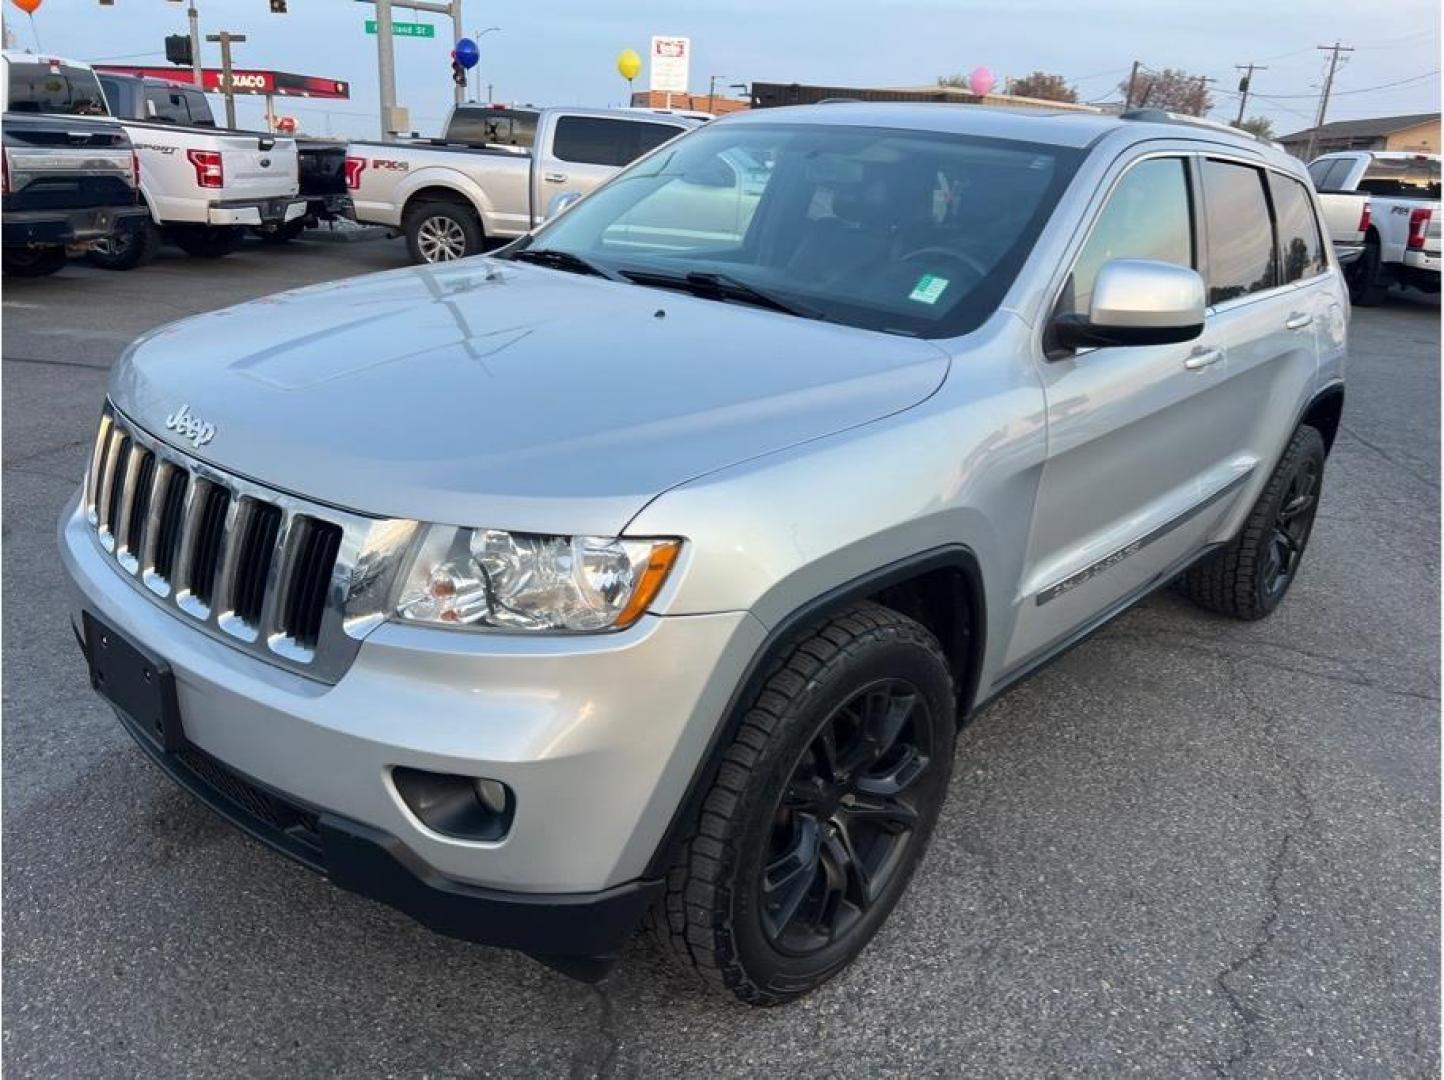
{"points": [[561, 260], [714, 286]]}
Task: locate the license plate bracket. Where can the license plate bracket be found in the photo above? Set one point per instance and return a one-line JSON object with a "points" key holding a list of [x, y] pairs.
{"points": [[138, 684]]}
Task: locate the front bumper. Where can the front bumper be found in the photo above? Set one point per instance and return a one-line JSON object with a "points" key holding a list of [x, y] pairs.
{"points": [[596, 736], [56, 227], [256, 211]]}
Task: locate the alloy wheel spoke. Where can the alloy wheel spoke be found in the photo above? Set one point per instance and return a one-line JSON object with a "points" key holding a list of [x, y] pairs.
{"points": [[858, 884], [787, 880], [869, 809], [1296, 506], [900, 773]]}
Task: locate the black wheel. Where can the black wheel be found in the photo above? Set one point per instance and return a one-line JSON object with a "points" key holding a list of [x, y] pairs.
{"points": [[820, 811], [127, 250], [1365, 277], [207, 241], [1248, 578], [33, 262], [442, 231], [284, 233]]}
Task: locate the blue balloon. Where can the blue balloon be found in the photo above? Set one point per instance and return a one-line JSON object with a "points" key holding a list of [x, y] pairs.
{"points": [[466, 53]]}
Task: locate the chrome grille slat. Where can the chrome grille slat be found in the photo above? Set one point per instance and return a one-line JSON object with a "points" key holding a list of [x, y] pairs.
{"points": [[147, 504]]}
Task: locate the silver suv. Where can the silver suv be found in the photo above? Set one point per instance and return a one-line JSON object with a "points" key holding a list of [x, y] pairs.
{"points": [[650, 564]]}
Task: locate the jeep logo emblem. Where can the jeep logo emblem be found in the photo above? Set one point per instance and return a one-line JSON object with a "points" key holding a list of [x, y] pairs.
{"points": [[188, 426]]}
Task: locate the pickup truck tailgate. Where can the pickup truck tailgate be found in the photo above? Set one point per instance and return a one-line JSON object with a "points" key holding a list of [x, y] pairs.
{"points": [[258, 166], [57, 163]]}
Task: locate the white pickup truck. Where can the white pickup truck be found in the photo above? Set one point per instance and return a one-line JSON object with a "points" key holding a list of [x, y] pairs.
{"points": [[494, 173], [1401, 244], [203, 186]]}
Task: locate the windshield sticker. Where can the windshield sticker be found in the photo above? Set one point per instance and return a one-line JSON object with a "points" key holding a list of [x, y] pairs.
{"points": [[928, 289]]}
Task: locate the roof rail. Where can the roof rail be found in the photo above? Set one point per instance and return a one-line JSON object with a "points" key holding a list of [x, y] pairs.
{"points": [[1163, 116], [840, 101]]}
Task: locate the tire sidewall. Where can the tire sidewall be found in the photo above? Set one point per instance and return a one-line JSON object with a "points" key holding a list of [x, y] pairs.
{"points": [[784, 975], [34, 262], [1307, 444], [208, 241], [464, 217]]}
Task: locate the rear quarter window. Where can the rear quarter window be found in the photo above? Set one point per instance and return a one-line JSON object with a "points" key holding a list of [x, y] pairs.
{"points": [[1299, 238]]}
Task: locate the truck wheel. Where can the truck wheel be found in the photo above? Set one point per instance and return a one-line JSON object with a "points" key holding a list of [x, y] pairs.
{"points": [[207, 241], [1248, 578], [442, 231], [820, 810], [126, 250], [284, 233], [1365, 278], [32, 262]]}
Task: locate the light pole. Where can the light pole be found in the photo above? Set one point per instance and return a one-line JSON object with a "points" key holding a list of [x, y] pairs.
{"points": [[745, 88], [712, 91], [477, 39]]}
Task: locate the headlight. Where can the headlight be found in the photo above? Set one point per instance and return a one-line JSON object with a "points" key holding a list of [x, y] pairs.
{"points": [[525, 581]]}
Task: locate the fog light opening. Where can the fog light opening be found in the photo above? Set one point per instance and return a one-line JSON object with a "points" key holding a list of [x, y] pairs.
{"points": [[464, 807]]}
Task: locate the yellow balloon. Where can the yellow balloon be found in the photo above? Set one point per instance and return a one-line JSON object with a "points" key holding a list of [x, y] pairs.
{"points": [[629, 64]]}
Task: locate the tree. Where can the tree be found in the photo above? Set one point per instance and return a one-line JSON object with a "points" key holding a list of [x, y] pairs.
{"points": [[1174, 91], [1261, 126], [1043, 84], [958, 81]]}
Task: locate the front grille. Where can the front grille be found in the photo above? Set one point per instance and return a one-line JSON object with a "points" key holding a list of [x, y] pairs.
{"points": [[293, 581]]}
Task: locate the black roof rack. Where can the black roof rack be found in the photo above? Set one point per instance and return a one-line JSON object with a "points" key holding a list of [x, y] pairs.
{"points": [[1163, 116]]}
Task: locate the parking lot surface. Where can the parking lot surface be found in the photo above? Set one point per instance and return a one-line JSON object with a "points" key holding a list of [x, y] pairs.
{"points": [[1190, 847]]}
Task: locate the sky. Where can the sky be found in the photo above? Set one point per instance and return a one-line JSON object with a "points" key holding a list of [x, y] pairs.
{"points": [[563, 52]]}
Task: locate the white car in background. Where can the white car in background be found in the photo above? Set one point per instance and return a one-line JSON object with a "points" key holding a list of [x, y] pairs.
{"points": [[1401, 245], [202, 185]]}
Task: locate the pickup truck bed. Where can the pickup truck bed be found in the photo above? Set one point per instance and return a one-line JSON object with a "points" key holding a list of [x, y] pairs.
{"points": [[68, 181]]}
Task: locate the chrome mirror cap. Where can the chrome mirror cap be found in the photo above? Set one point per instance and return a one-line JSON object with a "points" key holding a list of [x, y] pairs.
{"points": [[1143, 293]]}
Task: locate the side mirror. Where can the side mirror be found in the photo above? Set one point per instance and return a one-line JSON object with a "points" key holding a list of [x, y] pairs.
{"points": [[560, 201], [1137, 302]]}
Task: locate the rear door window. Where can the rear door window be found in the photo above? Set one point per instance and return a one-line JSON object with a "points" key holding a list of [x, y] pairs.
{"points": [[1147, 217], [55, 88], [600, 140], [1241, 253], [1299, 239], [167, 106]]}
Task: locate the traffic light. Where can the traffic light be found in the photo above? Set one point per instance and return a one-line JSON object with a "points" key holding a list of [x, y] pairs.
{"points": [[458, 73], [178, 49], [278, 7]]}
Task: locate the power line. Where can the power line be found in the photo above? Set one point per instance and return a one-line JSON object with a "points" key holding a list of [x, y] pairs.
{"points": [[1362, 89]]}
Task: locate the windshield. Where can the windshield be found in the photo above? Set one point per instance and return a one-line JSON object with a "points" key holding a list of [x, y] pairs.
{"points": [[55, 88], [905, 231]]}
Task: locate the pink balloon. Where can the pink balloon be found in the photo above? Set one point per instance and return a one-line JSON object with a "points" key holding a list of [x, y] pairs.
{"points": [[980, 81]]}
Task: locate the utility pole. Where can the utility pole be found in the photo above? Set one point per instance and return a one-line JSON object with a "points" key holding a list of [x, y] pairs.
{"points": [[196, 46], [1203, 81], [1243, 87], [1334, 49], [458, 90], [225, 37], [1132, 85], [712, 91]]}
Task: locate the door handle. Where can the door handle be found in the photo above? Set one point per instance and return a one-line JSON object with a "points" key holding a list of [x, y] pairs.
{"points": [[555, 177], [1298, 320], [1201, 358]]}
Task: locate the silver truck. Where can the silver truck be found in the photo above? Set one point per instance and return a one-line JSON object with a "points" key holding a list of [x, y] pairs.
{"points": [[493, 174], [647, 568]]}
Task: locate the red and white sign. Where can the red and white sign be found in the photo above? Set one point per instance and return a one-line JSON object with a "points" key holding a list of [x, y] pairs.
{"points": [[245, 80], [671, 61]]}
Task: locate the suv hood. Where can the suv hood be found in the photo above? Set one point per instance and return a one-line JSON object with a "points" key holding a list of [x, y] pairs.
{"points": [[494, 393]]}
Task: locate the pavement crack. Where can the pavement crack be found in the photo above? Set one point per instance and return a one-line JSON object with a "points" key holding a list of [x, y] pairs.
{"points": [[1402, 466], [1249, 1018], [600, 1059]]}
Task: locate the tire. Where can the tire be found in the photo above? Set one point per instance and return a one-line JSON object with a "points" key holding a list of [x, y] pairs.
{"points": [[773, 812], [440, 231], [126, 251], [207, 241], [1365, 277], [1250, 577], [32, 262], [284, 233]]}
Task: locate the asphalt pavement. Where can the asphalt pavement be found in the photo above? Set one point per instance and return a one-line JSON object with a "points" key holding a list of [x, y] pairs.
{"points": [[1190, 847]]}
